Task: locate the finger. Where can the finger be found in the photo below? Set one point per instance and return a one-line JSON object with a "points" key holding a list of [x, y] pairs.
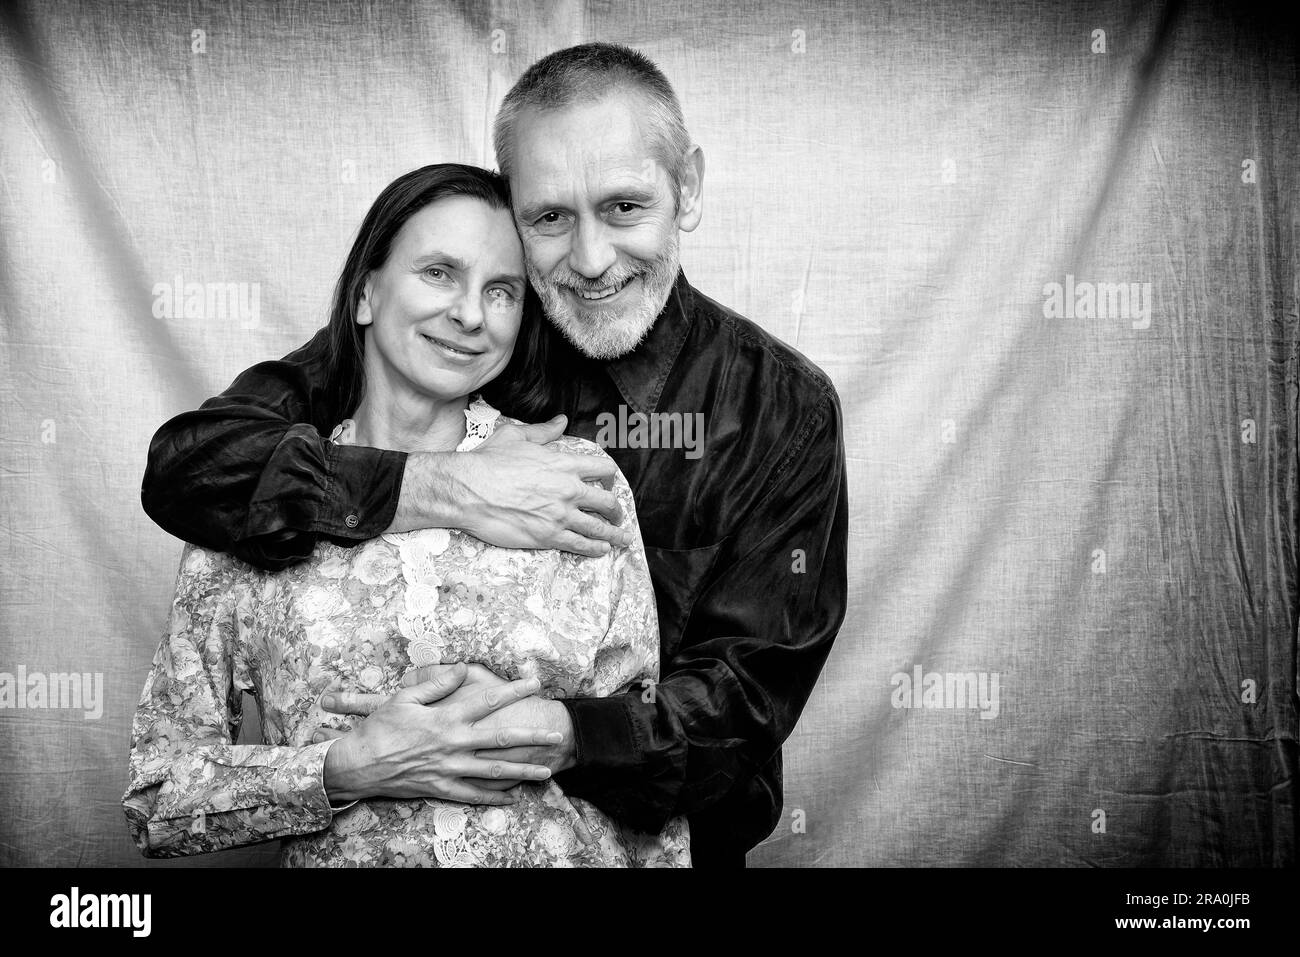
{"points": [[590, 468], [572, 542], [540, 433], [498, 696], [351, 702], [597, 529], [599, 502], [477, 674], [499, 770], [501, 738], [520, 755], [467, 793], [505, 784], [435, 689], [326, 734], [425, 673]]}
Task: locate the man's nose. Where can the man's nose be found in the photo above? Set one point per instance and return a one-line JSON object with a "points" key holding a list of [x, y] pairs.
{"points": [[591, 253]]}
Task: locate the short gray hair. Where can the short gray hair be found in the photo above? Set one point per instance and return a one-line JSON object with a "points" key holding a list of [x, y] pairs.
{"points": [[586, 73]]}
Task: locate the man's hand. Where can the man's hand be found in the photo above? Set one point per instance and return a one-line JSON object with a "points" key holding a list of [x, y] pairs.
{"points": [[512, 492], [422, 742], [529, 712]]}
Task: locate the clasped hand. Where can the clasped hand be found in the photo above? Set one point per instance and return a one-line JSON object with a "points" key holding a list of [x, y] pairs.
{"points": [[455, 732]]}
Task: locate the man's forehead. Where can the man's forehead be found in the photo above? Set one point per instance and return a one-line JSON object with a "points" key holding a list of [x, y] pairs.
{"points": [[594, 144]]}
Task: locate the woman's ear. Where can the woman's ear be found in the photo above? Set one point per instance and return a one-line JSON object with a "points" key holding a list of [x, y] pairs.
{"points": [[690, 198], [364, 316]]}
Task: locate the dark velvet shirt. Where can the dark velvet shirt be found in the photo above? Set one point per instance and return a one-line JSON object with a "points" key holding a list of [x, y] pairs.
{"points": [[745, 531]]}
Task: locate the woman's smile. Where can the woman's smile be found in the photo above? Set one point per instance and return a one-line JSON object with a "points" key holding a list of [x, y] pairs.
{"points": [[454, 353]]}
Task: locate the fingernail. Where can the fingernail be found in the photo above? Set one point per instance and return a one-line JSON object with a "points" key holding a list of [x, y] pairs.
{"points": [[542, 774], [317, 738], [328, 701], [554, 737]]}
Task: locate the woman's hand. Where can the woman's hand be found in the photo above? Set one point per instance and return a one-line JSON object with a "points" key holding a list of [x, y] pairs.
{"points": [[421, 742]]}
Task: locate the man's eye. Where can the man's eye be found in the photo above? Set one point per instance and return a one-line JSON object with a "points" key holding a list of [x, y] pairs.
{"points": [[625, 208]]}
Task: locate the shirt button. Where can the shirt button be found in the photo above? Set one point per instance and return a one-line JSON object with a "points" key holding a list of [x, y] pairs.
{"points": [[351, 521]]}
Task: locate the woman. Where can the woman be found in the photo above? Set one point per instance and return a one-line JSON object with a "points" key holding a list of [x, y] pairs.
{"points": [[429, 309]]}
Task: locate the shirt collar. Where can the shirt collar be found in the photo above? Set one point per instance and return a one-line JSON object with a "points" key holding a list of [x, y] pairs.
{"points": [[640, 375]]}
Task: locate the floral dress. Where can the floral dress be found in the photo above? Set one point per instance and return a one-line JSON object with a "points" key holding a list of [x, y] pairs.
{"points": [[357, 619]]}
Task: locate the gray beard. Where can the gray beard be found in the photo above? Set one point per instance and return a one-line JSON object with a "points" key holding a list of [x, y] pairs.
{"points": [[609, 333]]}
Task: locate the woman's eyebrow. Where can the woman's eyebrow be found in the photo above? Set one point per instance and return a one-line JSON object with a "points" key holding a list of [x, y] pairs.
{"points": [[455, 262]]}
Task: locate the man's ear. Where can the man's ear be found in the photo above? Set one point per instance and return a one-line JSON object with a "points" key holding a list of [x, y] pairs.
{"points": [[364, 315], [690, 198]]}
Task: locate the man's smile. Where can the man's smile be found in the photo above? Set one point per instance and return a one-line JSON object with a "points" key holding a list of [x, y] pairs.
{"points": [[603, 294]]}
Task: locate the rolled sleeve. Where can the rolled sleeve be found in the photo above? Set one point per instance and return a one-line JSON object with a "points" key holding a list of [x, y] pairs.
{"points": [[311, 485]]}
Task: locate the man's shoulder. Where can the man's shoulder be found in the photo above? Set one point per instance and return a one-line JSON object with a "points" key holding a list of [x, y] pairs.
{"points": [[739, 341]]}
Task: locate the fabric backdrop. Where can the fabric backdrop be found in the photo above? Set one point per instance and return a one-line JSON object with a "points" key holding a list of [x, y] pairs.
{"points": [[1047, 253]]}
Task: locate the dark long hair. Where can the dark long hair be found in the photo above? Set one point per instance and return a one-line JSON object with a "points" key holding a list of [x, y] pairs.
{"points": [[525, 388]]}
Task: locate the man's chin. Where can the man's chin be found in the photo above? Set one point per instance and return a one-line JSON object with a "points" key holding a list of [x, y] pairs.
{"points": [[602, 336]]}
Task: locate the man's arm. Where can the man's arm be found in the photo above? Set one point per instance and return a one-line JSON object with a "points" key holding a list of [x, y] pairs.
{"points": [[754, 645], [250, 473]]}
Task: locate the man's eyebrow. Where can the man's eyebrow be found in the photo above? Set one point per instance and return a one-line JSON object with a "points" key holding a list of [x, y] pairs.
{"points": [[632, 191], [526, 214]]}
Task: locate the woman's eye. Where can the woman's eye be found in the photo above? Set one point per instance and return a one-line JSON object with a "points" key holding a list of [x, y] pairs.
{"points": [[501, 295], [433, 272]]}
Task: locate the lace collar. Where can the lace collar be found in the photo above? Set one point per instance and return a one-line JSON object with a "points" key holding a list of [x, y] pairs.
{"points": [[480, 422]]}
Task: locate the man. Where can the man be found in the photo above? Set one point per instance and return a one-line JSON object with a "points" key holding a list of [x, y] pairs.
{"points": [[745, 533]]}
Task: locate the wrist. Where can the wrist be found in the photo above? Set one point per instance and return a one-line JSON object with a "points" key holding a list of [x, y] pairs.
{"points": [[565, 751], [338, 775], [432, 493]]}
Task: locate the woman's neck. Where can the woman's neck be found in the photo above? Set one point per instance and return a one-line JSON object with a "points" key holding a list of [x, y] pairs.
{"points": [[410, 423]]}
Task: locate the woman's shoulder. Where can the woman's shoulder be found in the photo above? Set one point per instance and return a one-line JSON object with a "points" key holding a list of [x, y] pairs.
{"points": [[573, 443], [480, 412]]}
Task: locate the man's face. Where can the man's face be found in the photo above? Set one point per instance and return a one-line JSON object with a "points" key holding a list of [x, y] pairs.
{"points": [[599, 219]]}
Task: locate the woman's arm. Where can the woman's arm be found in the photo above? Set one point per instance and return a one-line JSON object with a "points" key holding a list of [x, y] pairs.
{"points": [[192, 789]]}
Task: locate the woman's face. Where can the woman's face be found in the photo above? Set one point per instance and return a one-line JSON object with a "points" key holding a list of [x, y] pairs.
{"points": [[444, 310]]}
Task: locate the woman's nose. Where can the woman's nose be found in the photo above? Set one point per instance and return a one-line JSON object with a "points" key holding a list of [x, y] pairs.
{"points": [[467, 310]]}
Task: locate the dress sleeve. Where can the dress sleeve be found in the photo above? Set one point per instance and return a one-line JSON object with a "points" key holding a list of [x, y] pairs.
{"points": [[191, 788]]}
